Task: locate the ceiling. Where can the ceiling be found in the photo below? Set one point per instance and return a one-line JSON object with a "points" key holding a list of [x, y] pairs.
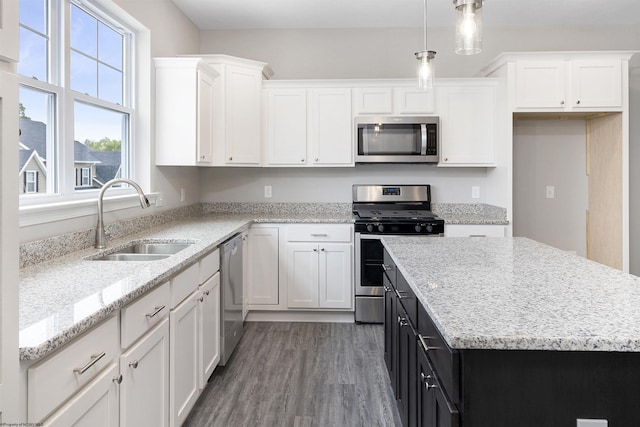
{"points": [[323, 14]]}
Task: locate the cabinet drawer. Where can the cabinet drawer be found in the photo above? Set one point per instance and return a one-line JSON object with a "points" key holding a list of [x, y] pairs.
{"points": [[140, 316], [389, 267], [209, 265], [54, 379], [319, 233], [407, 298], [184, 283], [444, 359]]}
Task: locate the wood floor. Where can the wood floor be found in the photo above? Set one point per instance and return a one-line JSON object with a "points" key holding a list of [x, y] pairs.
{"points": [[301, 374]]}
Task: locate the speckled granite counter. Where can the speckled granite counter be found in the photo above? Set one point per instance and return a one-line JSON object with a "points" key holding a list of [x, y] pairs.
{"points": [[470, 213], [515, 293], [65, 296]]}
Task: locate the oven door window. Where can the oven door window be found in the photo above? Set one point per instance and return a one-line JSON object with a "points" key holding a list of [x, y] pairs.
{"points": [[371, 260]]}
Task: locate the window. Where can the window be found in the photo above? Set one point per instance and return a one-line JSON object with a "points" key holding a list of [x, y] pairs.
{"points": [[85, 80], [31, 181]]}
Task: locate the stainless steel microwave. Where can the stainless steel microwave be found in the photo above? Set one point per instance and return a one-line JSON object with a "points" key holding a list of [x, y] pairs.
{"points": [[397, 139]]}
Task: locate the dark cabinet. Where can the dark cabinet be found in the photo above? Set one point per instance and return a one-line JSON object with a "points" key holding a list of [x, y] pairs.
{"points": [[406, 368], [390, 326], [433, 407]]}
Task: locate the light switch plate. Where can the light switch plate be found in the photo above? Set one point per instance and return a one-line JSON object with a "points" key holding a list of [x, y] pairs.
{"points": [[267, 191], [475, 192], [580, 422], [551, 192]]}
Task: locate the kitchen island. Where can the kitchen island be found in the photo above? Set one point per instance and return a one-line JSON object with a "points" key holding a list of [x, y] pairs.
{"points": [[517, 332]]}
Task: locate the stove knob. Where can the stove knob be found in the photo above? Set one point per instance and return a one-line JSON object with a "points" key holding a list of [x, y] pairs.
{"points": [[429, 228], [418, 227], [369, 228], [381, 228]]}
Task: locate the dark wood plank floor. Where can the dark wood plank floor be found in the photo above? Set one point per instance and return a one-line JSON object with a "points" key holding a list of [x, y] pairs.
{"points": [[301, 374]]}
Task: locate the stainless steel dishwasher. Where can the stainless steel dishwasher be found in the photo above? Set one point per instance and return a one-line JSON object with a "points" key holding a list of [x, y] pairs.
{"points": [[231, 297]]}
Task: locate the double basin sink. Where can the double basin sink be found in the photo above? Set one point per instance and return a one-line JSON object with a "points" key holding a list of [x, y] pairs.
{"points": [[143, 251]]}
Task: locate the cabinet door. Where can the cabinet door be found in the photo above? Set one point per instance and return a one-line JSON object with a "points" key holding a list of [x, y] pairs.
{"points": [[467, 125], [596, 84], [413, 100], [286, 126], [9, 32], [96, 405], [144, 391], [406, 368], [374, 100], [302, 275], [183, 360], [540, 85], [243, 92], [433, 408], [390, 326], [245, 274], [330, 127], [335, 272], [209, 331], [205, 117], [263, 266]]}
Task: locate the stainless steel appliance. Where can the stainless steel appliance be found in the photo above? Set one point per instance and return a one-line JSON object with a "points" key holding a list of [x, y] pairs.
{"points": [[385, 210], [232, 326], [397, 139]]}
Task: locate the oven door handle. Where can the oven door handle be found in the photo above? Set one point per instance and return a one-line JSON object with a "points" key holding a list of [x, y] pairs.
{"points": [[423, 134]]}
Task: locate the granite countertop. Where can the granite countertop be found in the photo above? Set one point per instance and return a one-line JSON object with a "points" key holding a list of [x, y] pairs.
{"points": [[63, 297], [518, 294]]}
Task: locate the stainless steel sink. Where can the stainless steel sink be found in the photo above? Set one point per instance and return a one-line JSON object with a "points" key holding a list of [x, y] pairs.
{"points": [[143, 251]]}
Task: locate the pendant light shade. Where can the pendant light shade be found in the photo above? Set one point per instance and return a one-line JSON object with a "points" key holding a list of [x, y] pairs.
{"points": [[425, 69], [468, 26], [425, 60]]}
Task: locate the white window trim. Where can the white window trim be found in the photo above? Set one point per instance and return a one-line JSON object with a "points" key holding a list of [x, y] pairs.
{"points": [[40, 209], [34, 174]]}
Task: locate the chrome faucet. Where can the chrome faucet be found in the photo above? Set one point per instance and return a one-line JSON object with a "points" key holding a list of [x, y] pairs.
{"points": [[101, 237]]}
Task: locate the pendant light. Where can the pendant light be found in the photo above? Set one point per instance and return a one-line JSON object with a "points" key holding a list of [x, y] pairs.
{"points": [[425, 60], [468, 26]]}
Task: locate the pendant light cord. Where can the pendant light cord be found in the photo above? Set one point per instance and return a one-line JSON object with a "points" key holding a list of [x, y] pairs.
{"points": [[425, 25]]}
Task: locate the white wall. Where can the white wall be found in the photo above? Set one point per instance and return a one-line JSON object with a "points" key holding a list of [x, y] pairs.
{"points": [[550, 153], [334, 184], [634, 170]]}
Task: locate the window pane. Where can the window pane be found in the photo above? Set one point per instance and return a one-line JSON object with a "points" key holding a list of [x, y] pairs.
{"points": [[109, 84], [33, 14], [37, 145], [101, 144], [33, 55], [110, 46], [84, 78], [84, 32]]}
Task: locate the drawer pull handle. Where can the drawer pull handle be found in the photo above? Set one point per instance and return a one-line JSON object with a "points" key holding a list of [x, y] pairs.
{"points": [[477, 235], [423, 342], [402, 321], [400, 294], [157, 310], [118, 379], [134, 364], [425, 379], [93, 361], [201, 299], [319, 234], [385, 267], [206, 293]]}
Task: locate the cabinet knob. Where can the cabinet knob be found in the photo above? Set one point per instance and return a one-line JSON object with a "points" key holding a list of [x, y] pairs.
{"points": [[206, 293], [315, 249], [230, 158], [316, 159], [322, 249], [118, 379], [578, 102], [202, 157], [446, 159], [134, 364], [561, 102], [302, 160]]}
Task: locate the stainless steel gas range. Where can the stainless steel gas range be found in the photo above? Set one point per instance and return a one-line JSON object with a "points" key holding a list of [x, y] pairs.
{"points": [[385, 210]]}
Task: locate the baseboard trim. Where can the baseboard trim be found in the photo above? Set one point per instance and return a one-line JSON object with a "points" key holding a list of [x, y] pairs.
{"points": [[301, 316]]}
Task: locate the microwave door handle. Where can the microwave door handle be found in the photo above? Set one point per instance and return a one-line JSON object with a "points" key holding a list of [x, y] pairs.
{"points": [[423, 133], [365, 141]]}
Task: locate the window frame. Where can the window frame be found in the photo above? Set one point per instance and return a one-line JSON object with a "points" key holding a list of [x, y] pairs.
{"points": [[34, 174], [61, 186]]}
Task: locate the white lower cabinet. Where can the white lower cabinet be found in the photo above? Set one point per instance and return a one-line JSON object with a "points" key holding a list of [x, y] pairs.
{"points": [[144, 391], [95, 406], [183, 359], [262, 277], [209, 328], [319, 266]]}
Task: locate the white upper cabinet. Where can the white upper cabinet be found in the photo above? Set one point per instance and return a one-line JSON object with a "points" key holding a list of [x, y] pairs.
{"points": [[392, 100], [307, 126], [184, 112], [568, 82], [467, 114], [330, 127], [238, 110]]}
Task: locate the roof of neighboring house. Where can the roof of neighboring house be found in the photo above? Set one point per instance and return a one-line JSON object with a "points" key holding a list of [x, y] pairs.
{"points": [[25, 157], [34, 136], [83, 154], [109, 166]]}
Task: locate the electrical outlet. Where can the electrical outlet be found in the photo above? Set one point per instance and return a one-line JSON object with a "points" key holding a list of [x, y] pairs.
{"points": [[182, 194], [551, 192], [475, 192], [159, 201], [267, 191], [580, 422]]}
